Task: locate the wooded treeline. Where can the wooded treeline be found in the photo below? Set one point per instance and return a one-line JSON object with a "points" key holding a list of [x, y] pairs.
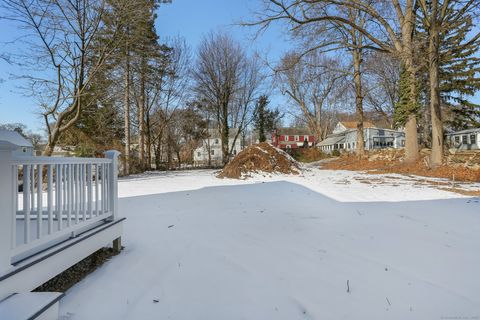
{"points": [[413, 61], [104, 79]]}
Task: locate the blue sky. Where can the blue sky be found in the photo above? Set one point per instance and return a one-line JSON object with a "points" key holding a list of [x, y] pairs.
{"points": [[187, 18]]}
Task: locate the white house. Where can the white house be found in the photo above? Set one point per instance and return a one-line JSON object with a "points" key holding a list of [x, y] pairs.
{"points": [[344, 138], [23, 147], [464, 140], [210, 152]]}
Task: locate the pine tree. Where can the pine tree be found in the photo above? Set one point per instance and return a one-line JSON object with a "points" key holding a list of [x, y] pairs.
{"points": [[260, 117], [459, 72], [265, 120]]}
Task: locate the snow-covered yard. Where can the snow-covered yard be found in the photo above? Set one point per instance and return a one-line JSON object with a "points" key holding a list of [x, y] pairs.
{"points": [[198, 247]]}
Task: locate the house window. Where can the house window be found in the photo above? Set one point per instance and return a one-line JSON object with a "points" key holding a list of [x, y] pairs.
{"points": [[212, 152], [464, 140], [457, 139], [216, 141], [199, 154], [473, 139], [234, 152]]}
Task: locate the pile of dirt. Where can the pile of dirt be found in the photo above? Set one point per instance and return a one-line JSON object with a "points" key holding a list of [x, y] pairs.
{"points": [[261, 157], [391, 161]]}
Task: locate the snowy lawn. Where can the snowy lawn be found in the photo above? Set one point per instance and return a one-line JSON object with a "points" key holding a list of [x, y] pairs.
{"points": [[198, 247]]}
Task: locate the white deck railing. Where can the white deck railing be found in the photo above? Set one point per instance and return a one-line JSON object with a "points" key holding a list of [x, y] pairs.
{"points": [[45, 200]]}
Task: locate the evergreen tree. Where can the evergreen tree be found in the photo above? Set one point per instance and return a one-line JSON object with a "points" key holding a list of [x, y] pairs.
{"points": [[265, 120], [459, 71]]}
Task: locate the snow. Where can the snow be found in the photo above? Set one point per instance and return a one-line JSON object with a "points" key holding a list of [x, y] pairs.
{"points": [[284, 247]]}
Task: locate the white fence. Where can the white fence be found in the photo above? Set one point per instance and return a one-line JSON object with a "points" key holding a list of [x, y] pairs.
{"points": [[46, 200]]}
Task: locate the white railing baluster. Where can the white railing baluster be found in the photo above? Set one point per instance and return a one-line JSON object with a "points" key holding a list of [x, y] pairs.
{"points": [[77, 195], [103, 190], [107, 198], [97, 193], [32, 190], [50, 198], [26, 203], [69, 192], [80, 192], [84, 202], [39, 200], [89, 191], [59, 188]]}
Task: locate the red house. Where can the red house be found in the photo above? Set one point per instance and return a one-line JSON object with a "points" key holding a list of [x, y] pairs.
{"points": [[292, 138]]}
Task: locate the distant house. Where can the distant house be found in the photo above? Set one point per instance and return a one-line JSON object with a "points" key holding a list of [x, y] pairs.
{"points": [[464, 140], [292, 138], [344, 138], [24, 147], [343, 126], [210, 152]]}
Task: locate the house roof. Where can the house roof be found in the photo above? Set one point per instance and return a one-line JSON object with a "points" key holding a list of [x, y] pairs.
{"points": [[334, 139], [464, 131], [14, 138], [294, 131], [353, 124]]}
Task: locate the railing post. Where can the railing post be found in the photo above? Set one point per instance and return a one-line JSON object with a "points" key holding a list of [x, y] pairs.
{"points": [[7, 201], [113, 181]]}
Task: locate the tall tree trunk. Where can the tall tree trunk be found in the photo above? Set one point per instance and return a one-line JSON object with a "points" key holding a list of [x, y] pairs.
{"points": [[436, 157], [357, 77], [141, 114], [411, 132], [225, 135], [126, 102], [148, 142]]}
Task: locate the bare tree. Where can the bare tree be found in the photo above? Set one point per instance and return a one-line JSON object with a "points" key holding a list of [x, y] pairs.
{"points": [[227, 80], [65, 56], [313, 83], [392, 34], [382, 74]]}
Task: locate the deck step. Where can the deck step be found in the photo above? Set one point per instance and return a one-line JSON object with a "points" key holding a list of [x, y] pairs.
{"points": [[30, 306]]}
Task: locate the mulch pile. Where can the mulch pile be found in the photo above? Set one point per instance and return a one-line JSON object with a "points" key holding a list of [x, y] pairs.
{"points": [[391, 161], [261, 157]]}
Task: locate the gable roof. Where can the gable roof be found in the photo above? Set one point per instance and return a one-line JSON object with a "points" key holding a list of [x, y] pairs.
{"points": [[15, 138], [294, 131], [353, 124]]}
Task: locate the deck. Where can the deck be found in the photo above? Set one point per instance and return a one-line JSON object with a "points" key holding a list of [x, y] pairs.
{"points": [[55, 212]]}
